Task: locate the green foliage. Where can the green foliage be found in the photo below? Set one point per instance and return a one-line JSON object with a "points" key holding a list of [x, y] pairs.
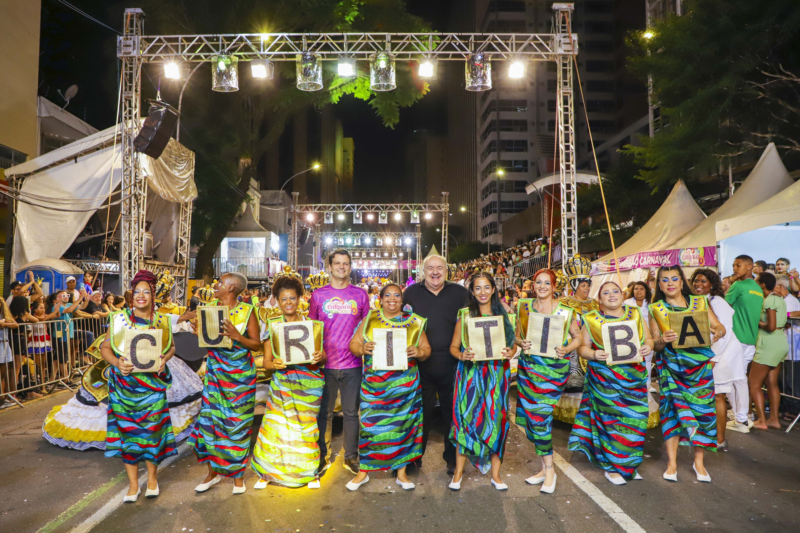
{"points": [[628, 199], [726, 77]]}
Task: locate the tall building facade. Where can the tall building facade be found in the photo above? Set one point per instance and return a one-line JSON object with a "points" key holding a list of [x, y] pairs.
{"points": [[516, 124], [425, 165]]}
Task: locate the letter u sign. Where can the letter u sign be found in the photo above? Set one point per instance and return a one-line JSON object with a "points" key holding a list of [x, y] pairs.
{"points": [[211, 320]]}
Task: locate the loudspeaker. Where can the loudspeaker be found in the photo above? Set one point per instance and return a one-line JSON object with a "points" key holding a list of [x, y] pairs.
{"points": [[303, 237], [157, 129]]}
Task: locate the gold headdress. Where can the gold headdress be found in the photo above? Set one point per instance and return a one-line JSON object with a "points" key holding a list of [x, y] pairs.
{"points": [[320, 279], [578, 269], [164, 285], [287, 272], [561, 281], [206, 294]]}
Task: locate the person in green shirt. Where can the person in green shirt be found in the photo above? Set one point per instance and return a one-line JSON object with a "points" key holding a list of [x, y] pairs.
{"points": [[747, 299]]}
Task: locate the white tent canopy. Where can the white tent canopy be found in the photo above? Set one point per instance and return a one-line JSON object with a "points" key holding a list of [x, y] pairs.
{"points": [[768, 178], [82, 176], [677, 215], [767, 231]]}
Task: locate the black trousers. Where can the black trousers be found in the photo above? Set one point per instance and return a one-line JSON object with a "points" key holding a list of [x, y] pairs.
{"points": [[438, 380]]}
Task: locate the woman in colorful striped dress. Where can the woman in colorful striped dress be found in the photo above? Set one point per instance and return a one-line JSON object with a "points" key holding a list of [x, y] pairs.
{"points": [[541, 380], [688, 413], [221, 434], [612, 420], [480, 407], [391, 400], [287, 452], [139, 426]]}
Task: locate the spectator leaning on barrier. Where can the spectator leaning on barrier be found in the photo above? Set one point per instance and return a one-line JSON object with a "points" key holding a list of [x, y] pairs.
{"points": [[23, 289]]}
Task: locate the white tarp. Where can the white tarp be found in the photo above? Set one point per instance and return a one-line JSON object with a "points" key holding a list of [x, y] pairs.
{"points": [[767, 231], [87, 180], [768, 178]]}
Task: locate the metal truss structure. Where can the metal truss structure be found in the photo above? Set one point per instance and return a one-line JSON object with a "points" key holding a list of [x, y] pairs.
{"points": [[96, 266], [301, 211], [372, 235], [135, 49]]}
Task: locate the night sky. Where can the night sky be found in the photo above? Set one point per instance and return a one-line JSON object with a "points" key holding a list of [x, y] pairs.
{"points": [[75, 50]]}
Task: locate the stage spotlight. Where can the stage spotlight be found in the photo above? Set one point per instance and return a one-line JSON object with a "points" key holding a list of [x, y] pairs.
{"points": [[478, 73], [382, 72], [310, 217], [328, 217], [172, 70], [357, 241], [346, 68], [370, 216], [388, 241], [415, 217], [408, 240], [357, 218], [401, 254], [367, 240], [379, 242], [383, 218], [427, 68], [349, 240], [309, 72], [341, 241], [262, 69], [225, 73], [328, 240], [516, 69], [340, 216], [372, 254], [397, 216], [385, 254], [428, 216]]}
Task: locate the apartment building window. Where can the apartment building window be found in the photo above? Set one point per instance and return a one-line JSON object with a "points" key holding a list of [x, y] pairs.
{"points": [[516, 106], [600, 86], [515, 165], [505, 186], [489, 209], [603, 126], [599, 47], [489, 229], [600, 66], [506, 26], [10, 157], [601, 106], [514, 206], [506, 145], [504, 125]]}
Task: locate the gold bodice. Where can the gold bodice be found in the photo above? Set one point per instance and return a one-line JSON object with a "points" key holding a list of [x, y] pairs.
{"points": [[525, 308], [594, 322], [414, 325], [580, 306], [119, 322], [660, 312]]}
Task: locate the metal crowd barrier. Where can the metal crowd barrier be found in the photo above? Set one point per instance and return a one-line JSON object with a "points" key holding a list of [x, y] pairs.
{"points": [[44, 355], [789, 380]]}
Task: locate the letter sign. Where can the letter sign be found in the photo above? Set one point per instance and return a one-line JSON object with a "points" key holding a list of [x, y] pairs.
{"points": [[142, 347], [295, 341], [621, 342], [211, 319], [390, 349], [692, 329], [546, 333], [486, 336]]}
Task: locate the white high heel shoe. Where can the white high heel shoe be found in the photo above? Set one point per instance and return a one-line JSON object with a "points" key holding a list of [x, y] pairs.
{"points": [[405, 486], [700, 477], [202, 487], [671, 477], [616, 481], [456, 485], [533, 480], [549, 489], [314, 484], [499, 486], [637, 476], [239, 490], [132, 499], [355, 486], [152, 493], [261, 484]]}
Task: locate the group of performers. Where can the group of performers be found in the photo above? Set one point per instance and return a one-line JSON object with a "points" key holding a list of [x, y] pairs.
{"points": [[140, 416]]}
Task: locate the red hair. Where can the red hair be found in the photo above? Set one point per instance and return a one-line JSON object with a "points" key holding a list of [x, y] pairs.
{"points": [[550, 273], [606, 283]]}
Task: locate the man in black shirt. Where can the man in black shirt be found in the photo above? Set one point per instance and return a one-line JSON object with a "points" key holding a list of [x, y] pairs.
{"points": [[437, 300]]}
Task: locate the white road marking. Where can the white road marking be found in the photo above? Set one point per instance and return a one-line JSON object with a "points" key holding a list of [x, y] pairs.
{"points": [[613, 510], [114, 503]]}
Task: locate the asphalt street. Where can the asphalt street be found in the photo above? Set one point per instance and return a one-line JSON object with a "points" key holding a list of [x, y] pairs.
{"points": [[756, 487]]}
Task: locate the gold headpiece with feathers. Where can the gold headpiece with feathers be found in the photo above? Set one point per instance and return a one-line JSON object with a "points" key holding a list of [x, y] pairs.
{"points": [[206, 294], [164, 285], [287, 272], [320, 279]]}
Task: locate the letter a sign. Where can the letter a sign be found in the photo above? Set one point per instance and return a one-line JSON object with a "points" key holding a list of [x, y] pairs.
{"points": [[692, 329], [486, 337], [143, 348], [210, 332], [390, 349], [546, 333], [621, 342], [295, 341]]}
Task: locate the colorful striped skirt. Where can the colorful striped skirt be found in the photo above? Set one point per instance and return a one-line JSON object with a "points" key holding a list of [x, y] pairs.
{"points": [[612, 421], [221, 433], [391, 417], [138, 423], [287, 451], [687, 406], [480, 410], [540, 382]]}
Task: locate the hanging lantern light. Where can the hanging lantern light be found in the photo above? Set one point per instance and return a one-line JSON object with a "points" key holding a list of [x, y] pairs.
{"points": [[262, 69], [382, 72], [478, 72], [225, 73], [309, 72], [428, 68]]}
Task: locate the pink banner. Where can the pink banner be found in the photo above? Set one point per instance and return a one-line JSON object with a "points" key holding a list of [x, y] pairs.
{"points": [[685, 257]]}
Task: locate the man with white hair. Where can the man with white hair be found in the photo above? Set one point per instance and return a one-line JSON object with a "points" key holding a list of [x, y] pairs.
{"points": [[437, 300]]}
